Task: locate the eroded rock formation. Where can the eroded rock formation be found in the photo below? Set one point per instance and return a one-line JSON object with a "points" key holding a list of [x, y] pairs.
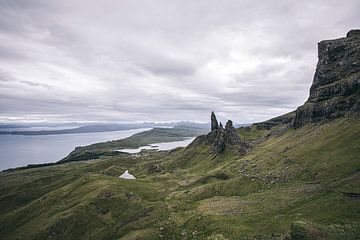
{"points": [[230, 133], [214, 122], [336, 85], [221, 137]]}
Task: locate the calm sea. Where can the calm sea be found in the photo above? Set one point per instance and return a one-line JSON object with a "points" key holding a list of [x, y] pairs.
{"points": [[19, 150]]}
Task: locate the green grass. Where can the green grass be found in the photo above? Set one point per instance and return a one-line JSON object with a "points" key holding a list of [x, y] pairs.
{"points": [[292, 183], [251, 133]]}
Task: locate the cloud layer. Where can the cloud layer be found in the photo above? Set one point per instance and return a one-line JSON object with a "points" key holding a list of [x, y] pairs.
{"points": [[161, 60]]}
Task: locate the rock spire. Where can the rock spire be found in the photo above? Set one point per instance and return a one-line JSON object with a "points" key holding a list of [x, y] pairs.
{"points": [[214, 122], [222, 138]]}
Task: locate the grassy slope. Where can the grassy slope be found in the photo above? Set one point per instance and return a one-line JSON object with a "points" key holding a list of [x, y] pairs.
{"points": [[296, 180]]}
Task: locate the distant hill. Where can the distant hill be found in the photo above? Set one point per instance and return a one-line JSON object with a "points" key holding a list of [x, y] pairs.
{"points": [[99, 128]]}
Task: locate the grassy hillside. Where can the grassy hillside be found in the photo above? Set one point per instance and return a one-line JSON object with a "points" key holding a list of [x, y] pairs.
{"points": [[293, 183]]}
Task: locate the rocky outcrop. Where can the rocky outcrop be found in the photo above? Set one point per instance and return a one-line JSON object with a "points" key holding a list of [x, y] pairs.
{"points": [[285, 119], [214, 122], [230, 134], [222, 138], [336, 85]]}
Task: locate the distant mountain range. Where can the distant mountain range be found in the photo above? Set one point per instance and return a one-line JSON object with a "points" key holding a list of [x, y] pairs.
{"points": [[31, 130]]}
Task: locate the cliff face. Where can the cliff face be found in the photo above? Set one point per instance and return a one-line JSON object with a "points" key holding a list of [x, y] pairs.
{"points": [[336, 85]]}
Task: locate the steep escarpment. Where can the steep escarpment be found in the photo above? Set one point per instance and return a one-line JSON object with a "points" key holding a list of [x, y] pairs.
{"points": [[336, 85]]}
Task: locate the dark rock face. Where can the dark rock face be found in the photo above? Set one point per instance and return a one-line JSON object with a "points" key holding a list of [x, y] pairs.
{"points": [[214, 122], [216, 139], [222, 138], [285, 119], [336, 85], [230, 133], [353, 33]]}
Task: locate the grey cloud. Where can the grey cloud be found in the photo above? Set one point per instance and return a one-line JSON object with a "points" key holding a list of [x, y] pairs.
{"points": [[171, 67], [9, 54], [162, 60], [6, 77], [34, 84]]}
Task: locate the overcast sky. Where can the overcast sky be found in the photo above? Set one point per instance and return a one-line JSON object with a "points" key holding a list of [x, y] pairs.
{"points": [[70, 60]]}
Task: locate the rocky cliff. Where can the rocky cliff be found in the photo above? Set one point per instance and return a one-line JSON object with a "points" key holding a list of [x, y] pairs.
{"points": [[336, 85]]}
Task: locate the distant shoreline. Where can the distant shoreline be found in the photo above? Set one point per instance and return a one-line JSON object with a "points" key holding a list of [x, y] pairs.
{"points": [[97, 128], [56, 132], [76, 130], [23, 152]]}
